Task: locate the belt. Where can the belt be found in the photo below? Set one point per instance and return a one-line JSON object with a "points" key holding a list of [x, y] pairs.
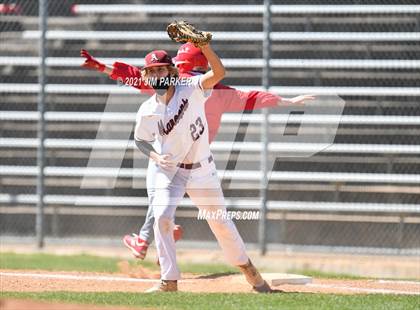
{"points": [[194, 165]]}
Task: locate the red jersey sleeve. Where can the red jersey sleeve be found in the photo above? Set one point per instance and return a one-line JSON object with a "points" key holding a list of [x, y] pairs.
{"points": [[131, 76], [234, 100], [228, 99]]}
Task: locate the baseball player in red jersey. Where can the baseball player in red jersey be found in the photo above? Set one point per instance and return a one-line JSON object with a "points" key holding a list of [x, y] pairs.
{"points": [[190, 61]]}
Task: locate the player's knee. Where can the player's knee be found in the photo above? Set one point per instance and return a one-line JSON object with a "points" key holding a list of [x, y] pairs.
{"points": [[222, 228], [163, 224]]}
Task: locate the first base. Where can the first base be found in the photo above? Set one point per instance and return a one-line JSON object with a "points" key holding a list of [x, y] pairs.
{"points": [[276, 279]]}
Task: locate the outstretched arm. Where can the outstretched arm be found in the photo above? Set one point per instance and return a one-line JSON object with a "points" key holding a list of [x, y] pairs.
{"points": [[128, 74], [296, 100], [234, 100], [93, 63]]}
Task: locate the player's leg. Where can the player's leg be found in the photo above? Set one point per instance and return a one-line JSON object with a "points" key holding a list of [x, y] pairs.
{"points": [[165, 201], [146, 231], [138, 244], [207, 195]]}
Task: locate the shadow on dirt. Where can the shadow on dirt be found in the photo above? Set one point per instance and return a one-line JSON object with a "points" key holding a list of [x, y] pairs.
{"points": [[217, 275]]}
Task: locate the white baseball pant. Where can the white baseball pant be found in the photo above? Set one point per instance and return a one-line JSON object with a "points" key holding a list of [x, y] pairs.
{"points": [[203, 187]]}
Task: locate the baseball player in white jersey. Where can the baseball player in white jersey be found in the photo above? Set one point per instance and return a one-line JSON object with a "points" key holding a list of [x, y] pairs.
{"points": [[190, 61], [171, 128]]}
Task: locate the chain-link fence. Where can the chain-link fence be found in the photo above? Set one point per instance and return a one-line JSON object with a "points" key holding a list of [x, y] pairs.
{"points": [[357, 190]]}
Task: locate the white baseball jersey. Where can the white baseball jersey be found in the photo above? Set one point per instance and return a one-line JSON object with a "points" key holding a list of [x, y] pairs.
{"points": [[178, 128]]}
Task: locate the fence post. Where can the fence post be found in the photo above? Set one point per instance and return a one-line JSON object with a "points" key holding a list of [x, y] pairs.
{"points": [[264, 128], [40, 190]]}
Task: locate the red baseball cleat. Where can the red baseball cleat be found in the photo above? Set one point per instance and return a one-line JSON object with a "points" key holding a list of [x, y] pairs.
{"points": [[178, 232], [137, 245]]}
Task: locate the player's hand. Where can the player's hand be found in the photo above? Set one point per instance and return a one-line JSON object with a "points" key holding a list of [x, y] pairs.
{"points": [[298, 100], [90, 62], [164, 160]]}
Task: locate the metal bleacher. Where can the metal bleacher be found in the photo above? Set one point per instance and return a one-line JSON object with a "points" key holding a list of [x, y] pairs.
{"points": [[372, 166]]}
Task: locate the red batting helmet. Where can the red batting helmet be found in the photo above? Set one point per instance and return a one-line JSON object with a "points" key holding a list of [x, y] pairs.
{"points": [[189, 57]]}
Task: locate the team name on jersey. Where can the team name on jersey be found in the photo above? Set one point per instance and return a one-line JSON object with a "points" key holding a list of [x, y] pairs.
{"points": [[165, 130]]}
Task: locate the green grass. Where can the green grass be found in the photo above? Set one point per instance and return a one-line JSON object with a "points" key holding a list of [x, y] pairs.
{"points": [[58, 262], [191, 300], [228, 301], [326, 275], [93, 263]]}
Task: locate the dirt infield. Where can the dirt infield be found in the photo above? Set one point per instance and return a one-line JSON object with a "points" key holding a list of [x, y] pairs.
{"points": [[16, 304], [375, 266], [140, 279]]}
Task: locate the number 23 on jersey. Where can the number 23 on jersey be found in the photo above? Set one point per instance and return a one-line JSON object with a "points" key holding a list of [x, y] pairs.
{"points": [[197, 129]]}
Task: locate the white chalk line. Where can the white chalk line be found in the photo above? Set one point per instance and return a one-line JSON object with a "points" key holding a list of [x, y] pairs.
{"points": [[362, 290], [74, 277], [399, 282]]}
